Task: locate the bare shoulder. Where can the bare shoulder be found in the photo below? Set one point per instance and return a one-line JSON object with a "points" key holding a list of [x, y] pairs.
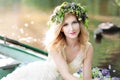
{"points": [[89, 46]]}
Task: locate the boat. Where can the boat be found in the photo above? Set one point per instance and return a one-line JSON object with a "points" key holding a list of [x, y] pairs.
{"points": [[14, 54]]}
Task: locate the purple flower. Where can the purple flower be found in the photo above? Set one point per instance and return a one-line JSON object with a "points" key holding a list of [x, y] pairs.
{"points": [[80, 71], [115, 78], [105, 72], [73, 5]]}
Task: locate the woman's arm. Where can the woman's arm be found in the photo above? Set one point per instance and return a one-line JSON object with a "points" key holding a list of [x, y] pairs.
{"points": [[87, 73], [62, 66]]}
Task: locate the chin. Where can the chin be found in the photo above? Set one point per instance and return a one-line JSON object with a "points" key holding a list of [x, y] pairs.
{"points": [[73, 37]]}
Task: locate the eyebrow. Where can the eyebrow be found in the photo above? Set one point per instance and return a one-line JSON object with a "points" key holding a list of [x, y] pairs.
{"points": [[64, 24], [75, 21]]}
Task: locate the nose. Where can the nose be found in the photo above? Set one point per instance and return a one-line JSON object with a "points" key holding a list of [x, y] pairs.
{"points": [[71, 27]]}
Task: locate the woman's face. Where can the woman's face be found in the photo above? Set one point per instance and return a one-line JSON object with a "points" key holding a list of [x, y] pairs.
{"points": [[71, 26]]}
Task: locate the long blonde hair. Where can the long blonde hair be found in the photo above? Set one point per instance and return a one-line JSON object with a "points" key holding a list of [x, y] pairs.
{"points": [[55, 39]]}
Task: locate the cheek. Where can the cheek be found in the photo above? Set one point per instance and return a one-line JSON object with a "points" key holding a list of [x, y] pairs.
{"points": [[77, 27], [78, 30], [64, 30]]}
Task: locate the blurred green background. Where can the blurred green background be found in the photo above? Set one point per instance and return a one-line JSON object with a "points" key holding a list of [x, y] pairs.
{"points": [[26, 21]]}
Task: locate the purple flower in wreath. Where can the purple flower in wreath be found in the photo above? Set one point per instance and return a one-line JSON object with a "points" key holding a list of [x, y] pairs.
{"points": [[73, 5], [70, 5]]}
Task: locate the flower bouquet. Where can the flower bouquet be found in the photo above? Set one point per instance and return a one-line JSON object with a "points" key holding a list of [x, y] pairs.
{"points": [[98, 74]]}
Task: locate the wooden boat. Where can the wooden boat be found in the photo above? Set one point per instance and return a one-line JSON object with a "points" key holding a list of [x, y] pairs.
{"points": [[14, 54]]}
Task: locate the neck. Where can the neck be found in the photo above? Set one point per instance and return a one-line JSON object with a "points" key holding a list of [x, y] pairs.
{"points": [[72, 42]]}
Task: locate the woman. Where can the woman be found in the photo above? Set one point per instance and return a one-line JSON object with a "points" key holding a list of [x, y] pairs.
{"points": [[67, 45]]}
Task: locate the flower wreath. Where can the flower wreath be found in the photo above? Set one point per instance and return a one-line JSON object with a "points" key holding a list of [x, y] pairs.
{"points": [[74, 8]]}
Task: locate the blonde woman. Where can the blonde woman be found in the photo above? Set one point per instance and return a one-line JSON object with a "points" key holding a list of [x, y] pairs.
{"points": [[67, 45]]}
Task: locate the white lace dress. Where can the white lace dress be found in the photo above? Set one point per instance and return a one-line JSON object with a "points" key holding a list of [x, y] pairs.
{"points": [[43, 70]]}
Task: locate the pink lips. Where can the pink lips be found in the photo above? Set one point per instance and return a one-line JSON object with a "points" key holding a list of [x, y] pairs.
{"points": [[72, 33]]}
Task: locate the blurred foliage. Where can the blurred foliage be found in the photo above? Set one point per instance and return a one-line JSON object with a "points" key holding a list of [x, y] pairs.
{"points": [[9, 3], [96, 7], [117, 3], [44, 4], [103, 7]]}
